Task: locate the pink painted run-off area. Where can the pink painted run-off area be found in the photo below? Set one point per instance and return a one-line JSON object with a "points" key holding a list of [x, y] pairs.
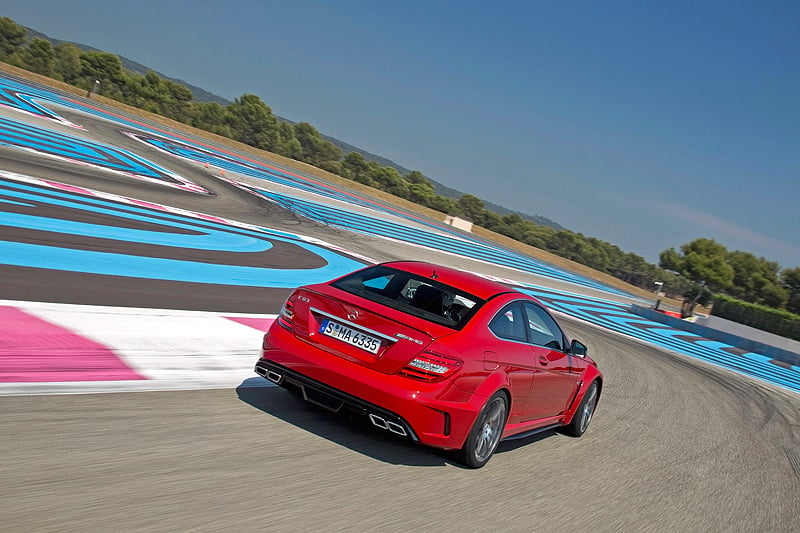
{"points": [[261, 324], [34, 350]]}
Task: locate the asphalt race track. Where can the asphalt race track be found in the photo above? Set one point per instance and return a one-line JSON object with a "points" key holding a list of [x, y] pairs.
{"points": [[195, 246]]}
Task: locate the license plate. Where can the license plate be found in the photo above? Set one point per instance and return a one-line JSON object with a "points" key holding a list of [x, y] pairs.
{"points": [[350, 336]]}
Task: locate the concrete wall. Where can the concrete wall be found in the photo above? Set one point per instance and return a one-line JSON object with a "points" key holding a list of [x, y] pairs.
{"points": [[459, 223], [739, 335], [740, 330]]}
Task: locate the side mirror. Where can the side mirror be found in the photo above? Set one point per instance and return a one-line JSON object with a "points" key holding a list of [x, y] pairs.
{"points": [[578, 349]]}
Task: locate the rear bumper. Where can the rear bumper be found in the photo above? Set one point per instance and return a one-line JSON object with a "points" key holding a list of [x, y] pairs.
{"points": [[434, 414], [335, 400]]}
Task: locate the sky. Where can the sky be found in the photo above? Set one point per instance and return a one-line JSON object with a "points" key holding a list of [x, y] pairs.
{"points": [[643, 124]]}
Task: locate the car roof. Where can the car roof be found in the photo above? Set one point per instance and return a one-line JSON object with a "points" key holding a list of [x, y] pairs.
{"points": [[479, 286]]}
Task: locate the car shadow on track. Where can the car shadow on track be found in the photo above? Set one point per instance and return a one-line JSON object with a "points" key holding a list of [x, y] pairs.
{"points": [[350, 432], [513, 443]]}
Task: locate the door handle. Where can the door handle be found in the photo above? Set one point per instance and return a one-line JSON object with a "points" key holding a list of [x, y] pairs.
{"points": [[543, 361]]}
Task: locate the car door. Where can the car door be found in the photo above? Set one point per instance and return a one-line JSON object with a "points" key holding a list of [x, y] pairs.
{"points": [[513, 352], [554, 381]]}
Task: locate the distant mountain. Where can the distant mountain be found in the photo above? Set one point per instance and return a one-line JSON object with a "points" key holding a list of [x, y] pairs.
{"points": [[441, 190], [201, 95]]}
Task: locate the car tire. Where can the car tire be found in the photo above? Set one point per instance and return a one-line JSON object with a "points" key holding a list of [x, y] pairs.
{"points": [[486, 432], [584, 413]]}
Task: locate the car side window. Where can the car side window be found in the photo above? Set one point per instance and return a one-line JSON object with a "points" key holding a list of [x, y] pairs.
{"points": [[509, 323], [542, 329]]}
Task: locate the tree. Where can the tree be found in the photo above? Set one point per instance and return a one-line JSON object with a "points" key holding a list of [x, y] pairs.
{"points": [[596, 255], [12, 37], [445, 205], [791, 282], [354, 165], [415, 176], [253, 123], [488, 219], [315, 149], [67, 62], [472, 206], [388, 179], [176, 104], [102, 66], [421, 193], [211, 117], [107, 69], [756, 280], [37, 57], [534, 234], [670, 260], [704, 262], [289, 145], [701, 260]]}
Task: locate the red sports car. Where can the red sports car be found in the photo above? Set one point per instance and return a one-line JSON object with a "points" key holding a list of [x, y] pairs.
{"points": [[441, 356]]}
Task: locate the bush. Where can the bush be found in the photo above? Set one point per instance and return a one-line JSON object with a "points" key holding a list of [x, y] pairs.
{"points": [[775, 321]]}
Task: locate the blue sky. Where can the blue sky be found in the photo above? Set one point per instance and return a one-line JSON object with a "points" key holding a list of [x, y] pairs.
{"points": [[644, 124]]}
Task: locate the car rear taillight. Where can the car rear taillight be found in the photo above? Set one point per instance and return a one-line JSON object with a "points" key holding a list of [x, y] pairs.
{"points": [[428, 366], [286, 315]]}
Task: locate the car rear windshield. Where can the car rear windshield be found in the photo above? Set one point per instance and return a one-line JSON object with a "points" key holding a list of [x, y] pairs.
{"points": [[416, 295]]}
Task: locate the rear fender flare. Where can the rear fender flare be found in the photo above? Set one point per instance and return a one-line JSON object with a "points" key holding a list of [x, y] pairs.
{"points": [[495, 382]]}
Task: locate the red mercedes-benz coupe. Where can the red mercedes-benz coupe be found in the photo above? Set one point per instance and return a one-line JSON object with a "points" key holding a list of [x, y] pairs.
{"points": [[441, 356]]}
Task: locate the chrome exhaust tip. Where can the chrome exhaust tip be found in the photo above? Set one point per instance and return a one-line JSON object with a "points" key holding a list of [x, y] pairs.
{"points": [[396, 428], [382, 423], [273, 377], [378, 421]]}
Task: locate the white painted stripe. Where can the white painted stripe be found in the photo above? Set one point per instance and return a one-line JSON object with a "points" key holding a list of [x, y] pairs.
{"points": [[172, 349]]}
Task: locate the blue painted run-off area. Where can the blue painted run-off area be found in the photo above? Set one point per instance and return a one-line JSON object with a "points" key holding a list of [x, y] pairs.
{"points": [[184, 231]]}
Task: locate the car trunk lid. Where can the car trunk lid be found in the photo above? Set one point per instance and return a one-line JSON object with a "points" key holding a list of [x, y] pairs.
{"points": [[361, 331]]}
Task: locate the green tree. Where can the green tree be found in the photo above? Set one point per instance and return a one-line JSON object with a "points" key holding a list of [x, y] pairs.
{"points": [[756, 280], [417, 177], [105, 68], [701, 260], [102, 66], [38, 56], [636, 271], [537, 235], [315, 149], [445, 205], [334, 167], [704, 262], [596, 255], [67, 65], [211, 117], [387, 179], [354, 166], [790, 278], [421, 193], [253, 123], [177, 102], [289, 145], [489, 220], [12, 37], [472, 206]]}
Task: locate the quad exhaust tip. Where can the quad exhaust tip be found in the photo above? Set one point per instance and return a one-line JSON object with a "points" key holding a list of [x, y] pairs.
{"points": [[377, 420], [382, 423], [274, 377], [271, 375]]}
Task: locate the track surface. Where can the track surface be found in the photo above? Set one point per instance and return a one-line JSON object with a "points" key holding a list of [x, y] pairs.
{"points": [[677, 444], [674, 447]]}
